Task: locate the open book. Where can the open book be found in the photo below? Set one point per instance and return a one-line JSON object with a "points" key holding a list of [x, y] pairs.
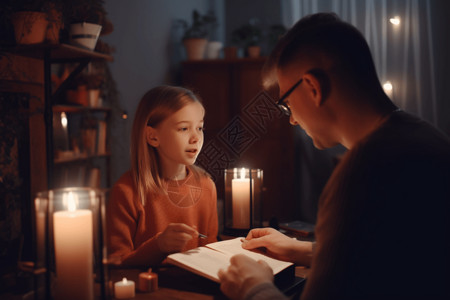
{"points": [[208, 260]]}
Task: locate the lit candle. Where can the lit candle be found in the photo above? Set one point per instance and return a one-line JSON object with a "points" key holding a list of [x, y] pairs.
{"points": [[40, 229], [73, 251], [148, 281], [240, 195], [124, 289]]}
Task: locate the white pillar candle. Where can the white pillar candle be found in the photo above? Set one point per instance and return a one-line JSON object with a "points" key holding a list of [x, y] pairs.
{"points": [[240, 197], [73, 234], [124, 289], [40, 237]]}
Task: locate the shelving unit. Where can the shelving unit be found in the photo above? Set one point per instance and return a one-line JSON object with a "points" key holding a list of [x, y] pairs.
{"points": [[63, 53]]}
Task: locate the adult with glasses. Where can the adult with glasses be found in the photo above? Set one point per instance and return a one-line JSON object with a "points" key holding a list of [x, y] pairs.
{"points": [[382, 227]]}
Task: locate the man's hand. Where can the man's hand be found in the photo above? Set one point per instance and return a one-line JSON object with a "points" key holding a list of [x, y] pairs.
{"points": [[175, 236], [279, 245], [243, 274]]}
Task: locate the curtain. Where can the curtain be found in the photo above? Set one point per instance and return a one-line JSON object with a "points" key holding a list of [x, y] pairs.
{"points": [[403, 52]]}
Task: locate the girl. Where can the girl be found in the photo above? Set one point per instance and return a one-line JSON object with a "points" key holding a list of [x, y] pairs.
{"points": [[164, 202]]}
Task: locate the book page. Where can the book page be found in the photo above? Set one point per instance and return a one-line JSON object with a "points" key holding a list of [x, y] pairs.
{"points": [[203, 261], [207, 261], [234, 246]]}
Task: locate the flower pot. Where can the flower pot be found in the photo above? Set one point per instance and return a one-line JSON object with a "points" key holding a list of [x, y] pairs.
{"points": [[29, 27], [195, 48], [213, 50], [84, 35], [78, 96], [94, 98], [254, 51]]}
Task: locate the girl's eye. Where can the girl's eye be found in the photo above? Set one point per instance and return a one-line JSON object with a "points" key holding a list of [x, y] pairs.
{"points": [[201, 128], [183, 129]]}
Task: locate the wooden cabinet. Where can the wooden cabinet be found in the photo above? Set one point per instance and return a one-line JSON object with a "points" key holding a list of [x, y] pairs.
{"points": [[244, 128]]}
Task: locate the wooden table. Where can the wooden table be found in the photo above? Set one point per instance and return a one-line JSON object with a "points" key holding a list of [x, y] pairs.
{"points": [[176, 283]]}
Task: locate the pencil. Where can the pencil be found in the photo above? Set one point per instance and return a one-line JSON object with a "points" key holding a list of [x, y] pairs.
{"points": [[202, 236]]}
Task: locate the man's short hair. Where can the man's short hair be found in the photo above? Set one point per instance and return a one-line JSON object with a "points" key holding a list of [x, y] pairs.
{"points": [[325, 34]]}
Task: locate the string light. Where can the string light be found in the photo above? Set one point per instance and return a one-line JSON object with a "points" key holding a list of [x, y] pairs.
{"points": [[388, 88], [395, 20]]}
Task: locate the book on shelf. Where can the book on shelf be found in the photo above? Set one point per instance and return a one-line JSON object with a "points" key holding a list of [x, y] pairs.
{"points": [[101, 138], [206, 261]]}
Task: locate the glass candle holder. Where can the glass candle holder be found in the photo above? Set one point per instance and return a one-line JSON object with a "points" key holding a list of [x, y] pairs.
{"points": [[243, 198], [70, 243]]}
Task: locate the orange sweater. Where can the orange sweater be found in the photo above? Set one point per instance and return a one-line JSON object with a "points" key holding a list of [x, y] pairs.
{"points": [[133, 227]]}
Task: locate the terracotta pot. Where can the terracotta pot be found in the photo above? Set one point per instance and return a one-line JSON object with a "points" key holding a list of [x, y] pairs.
{"points": [[195, 48], [254, 51], [29, 27], [78, 96]]}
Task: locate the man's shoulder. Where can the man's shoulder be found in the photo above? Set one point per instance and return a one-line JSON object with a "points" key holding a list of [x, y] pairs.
{"points": [[408, 136]]}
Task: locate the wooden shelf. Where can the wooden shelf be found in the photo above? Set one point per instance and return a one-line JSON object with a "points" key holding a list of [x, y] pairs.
{"points": [[59, 161], [79, 109], [57, 52]]}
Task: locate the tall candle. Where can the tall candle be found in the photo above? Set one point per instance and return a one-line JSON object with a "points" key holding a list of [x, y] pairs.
{"points": [[41, 236], [73, 251], [240, 195]]}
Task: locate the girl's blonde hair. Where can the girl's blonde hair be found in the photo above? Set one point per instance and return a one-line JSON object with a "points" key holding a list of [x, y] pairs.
{"points": [[155, 106]]}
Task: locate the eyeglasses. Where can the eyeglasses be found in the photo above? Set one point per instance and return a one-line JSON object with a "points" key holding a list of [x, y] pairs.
{"points": [[281, 103]]}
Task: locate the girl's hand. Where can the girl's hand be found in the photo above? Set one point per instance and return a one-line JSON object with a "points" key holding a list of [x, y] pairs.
{"points": [[174, 237]]}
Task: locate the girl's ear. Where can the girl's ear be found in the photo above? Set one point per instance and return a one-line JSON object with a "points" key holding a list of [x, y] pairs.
{"points": [[152, 136], [319, 85]]}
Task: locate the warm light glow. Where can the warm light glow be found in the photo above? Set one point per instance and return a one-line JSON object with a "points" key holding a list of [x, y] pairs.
{"points": [[395, 20], [64, 119], [124, 280], [242, 173], [388, 88], [70, 199]]}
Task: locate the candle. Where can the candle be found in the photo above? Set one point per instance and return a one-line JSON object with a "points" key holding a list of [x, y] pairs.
{"points": [[124, 289], [148, 281], [40, 236], [73, 251], [240, 195]]}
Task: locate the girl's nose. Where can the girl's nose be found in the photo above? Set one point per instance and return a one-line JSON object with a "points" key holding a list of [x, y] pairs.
{"points": [[195, 137]]}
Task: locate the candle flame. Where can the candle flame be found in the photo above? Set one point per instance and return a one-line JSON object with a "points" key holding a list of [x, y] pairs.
{"points": [[70, 199], [242, 173], [124, 280], [64, 120]]}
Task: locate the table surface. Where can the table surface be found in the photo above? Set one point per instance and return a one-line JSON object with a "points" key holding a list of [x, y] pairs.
{"points": [[177, 283]]}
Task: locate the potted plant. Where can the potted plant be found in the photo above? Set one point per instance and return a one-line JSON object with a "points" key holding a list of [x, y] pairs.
{"points": [[248, 36], [85, 19], [29, 20], [196, 35]]}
